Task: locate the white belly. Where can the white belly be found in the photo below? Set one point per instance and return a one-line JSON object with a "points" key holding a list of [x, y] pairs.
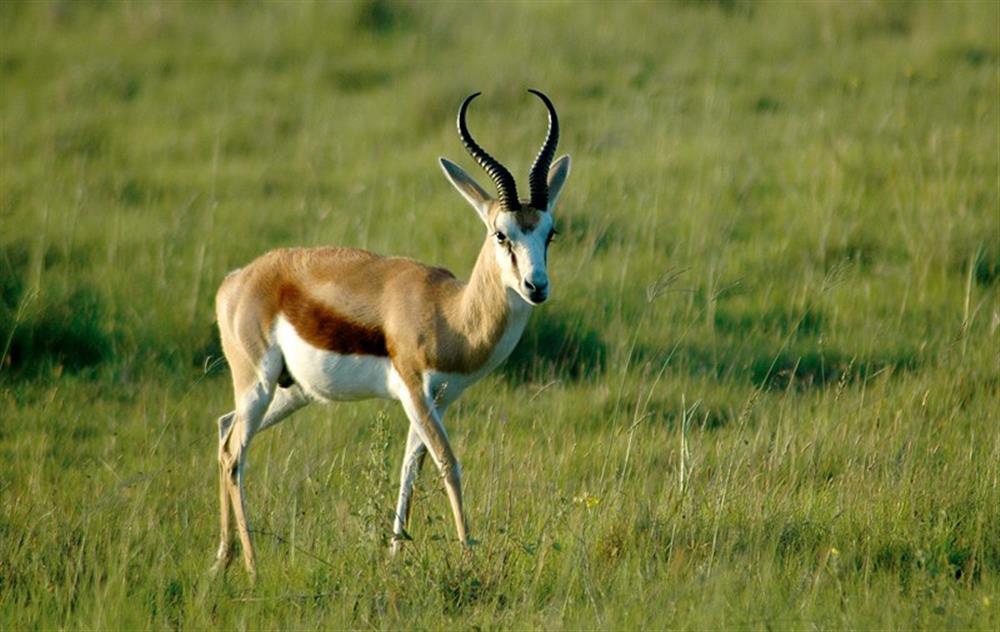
{"points": [[326, 375]]}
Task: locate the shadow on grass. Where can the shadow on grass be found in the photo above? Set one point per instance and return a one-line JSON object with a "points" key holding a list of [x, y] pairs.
{"points": [[801, 365], [779, 319], [558, 346], [54, 330], [985, 262], [816, 367], [381, 17]]}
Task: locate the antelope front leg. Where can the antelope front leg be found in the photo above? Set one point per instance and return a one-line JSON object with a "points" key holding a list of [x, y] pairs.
{"points": [[424, 419]]}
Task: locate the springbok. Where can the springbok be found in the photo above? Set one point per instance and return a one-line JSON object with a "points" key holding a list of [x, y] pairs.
{"points": [[323, 324]]}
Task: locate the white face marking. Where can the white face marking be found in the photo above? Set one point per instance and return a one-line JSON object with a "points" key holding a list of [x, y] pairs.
{"points": [[521, 256]]}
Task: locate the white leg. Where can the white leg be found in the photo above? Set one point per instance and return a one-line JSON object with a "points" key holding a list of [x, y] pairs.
{"points": [[233, 448], [286, 401], [424, 419], [234, 461], [413, 458], [222, 556]]}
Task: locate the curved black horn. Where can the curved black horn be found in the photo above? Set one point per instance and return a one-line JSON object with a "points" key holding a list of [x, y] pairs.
{"points": [[506, 189], [538, 178]]}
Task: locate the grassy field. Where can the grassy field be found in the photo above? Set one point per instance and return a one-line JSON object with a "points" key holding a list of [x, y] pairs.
{"points": [[765, 393]]}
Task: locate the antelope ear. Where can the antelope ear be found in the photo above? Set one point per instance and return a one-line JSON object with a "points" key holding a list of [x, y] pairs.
{"points": [[469, 188], [558, 173]]}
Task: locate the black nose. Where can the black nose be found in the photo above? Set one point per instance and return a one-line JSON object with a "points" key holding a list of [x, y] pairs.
{"points": [[538, 292]]}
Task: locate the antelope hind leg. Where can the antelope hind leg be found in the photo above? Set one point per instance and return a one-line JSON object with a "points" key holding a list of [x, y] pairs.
{"points": [[224, 554]]}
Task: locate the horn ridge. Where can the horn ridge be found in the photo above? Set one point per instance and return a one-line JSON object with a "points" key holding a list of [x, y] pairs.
{"points": [[538, 177], [506, 188]]}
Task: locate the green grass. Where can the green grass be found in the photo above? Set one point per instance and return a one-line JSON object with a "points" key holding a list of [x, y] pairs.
{"points": [[764, 394]]}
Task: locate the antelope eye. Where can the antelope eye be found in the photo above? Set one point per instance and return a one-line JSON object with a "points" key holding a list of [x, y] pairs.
{"points": [[500, 237]]}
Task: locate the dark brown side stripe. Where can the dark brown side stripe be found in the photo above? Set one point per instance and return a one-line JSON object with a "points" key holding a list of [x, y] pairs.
{"points": [[322, 327]]}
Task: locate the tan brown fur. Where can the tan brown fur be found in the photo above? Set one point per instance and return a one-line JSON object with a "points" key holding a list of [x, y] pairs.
{"points": [[325, 328], [421, 316], [440, 335], [527, 218]]}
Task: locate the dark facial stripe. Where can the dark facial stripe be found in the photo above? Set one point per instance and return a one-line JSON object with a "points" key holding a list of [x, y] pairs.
{"points": [[322, 327], [528, 219]]}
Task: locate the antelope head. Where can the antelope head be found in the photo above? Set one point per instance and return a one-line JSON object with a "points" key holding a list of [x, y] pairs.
{"points": [[521, 230]]}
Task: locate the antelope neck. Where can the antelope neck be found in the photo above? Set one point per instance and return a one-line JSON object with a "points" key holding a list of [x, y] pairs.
{"points": [[483, 306]]}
